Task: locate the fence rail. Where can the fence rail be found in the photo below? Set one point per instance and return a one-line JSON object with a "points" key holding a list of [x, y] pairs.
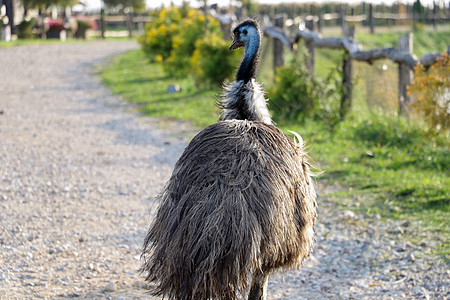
{"points": [[123, 18], [377, 16]]}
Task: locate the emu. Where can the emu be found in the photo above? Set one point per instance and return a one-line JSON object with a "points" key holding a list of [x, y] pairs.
{"points": [[240, 203]]}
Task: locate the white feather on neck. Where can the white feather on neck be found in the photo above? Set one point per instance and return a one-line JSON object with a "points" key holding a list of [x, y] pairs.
{"points": [[253, 96]]}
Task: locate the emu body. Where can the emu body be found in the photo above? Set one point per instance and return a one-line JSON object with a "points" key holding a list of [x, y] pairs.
{"points": [[239, 205]]}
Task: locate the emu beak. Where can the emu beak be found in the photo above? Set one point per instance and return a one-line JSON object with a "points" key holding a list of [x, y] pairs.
{"points": [[236, 44]]}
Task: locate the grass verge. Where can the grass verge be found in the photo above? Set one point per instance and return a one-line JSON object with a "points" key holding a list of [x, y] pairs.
{"points": [[132, 77], [70, 40]]}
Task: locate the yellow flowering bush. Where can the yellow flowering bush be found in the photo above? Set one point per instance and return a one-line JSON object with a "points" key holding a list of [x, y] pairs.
{"points": [[212, 62], [430, 93], [192, 28], [186, 43], [157, 39]]}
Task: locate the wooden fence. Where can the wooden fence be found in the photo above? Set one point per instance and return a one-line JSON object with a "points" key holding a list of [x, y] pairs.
{"points": [[402, 55], [371, 17], [130, 21], [367, 14]]}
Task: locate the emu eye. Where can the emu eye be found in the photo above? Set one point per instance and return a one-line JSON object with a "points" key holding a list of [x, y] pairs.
{"points": [[244, 31]]}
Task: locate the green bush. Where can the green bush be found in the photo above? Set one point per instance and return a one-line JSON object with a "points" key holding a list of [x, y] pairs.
{"points": [[157, 41], [83, 25], [191, 28], [185, 42], [331, 91], [212, 62], [82, 28], [25, 29], [296, 94]]}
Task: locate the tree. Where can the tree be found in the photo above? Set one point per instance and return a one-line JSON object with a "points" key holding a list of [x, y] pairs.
{"points": [[418, 7], [418, 10], [251, 6], [40, 4]]}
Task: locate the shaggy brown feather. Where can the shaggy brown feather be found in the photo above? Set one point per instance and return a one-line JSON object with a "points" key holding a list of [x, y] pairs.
{"points": [[240, 201]]}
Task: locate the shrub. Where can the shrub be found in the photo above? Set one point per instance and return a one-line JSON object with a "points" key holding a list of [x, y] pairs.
{"points": [[172, 37], [192, 28], [294, 93], [212, 62], [157, 42], [83, 25], [430, 92], [25, 29], [331, 91], [82, 28]]}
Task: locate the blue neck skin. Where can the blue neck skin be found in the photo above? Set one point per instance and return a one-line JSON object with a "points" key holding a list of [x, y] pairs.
{"points": [[247, 69]]}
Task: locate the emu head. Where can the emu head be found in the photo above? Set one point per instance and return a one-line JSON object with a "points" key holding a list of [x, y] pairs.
{"points": [[246, 35]]}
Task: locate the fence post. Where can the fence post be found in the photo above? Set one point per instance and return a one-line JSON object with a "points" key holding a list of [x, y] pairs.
{"points": [[342, 19], [278, 51], [141, 27], [5, 33], [414, 20], [435, 15], [319, 22], [10, 13], [405, 44], [371, 18], [130, 25], [310, 58], [7, 16], [102, 23], [347, 72]]}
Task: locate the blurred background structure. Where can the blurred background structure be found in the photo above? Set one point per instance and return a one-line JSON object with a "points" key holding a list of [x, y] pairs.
{"points": [[36, 18]]}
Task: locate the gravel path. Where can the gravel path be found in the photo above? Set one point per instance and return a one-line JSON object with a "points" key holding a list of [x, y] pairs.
{"points": [[78, 169]]}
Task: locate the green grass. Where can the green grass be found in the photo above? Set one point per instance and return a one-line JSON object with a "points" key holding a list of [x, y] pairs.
{"points": [[403, 172], [70, 40], [387, 165], [131, 76]]}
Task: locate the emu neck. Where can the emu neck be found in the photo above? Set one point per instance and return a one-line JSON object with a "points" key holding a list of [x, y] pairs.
{"points": [[244, 101], [249, 64], [244, 98]]}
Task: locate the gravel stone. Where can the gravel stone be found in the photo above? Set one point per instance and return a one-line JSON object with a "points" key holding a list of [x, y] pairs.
{"points": [[79, 170], [110, 287]]}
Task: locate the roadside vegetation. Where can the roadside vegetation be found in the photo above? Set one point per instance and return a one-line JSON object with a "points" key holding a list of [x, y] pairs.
{"points": [[27, 42], [386, 165]]}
